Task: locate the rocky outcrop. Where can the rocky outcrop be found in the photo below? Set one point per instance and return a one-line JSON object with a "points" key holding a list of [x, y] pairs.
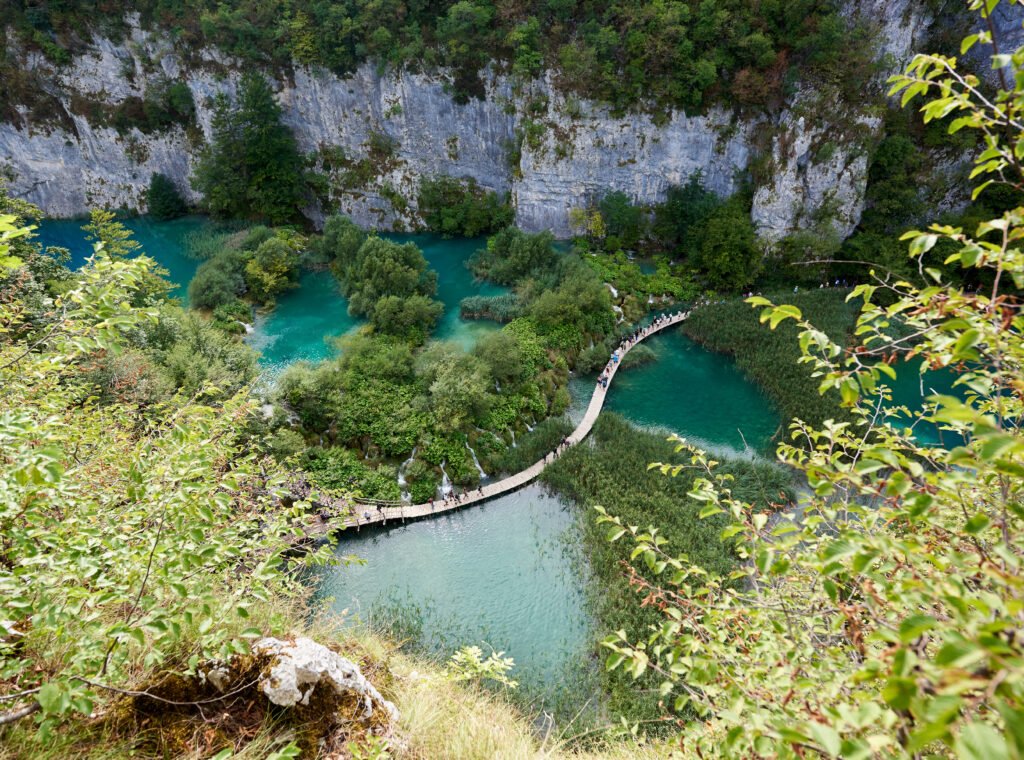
{"points": [[551, 153], [297, 668]]}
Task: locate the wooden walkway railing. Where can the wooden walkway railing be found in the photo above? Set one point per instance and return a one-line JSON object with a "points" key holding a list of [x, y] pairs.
{"points": [[376, 512]]}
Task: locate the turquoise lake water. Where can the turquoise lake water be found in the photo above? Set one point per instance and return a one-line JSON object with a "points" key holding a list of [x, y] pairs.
{"points": [[162, 241], [307, 318], [495, 575]]}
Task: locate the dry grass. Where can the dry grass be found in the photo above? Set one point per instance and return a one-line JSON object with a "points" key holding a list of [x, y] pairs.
{"points": [[440, 719]]}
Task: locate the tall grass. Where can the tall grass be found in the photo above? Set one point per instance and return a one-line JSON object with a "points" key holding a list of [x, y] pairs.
{"points": [[612, 472], [500, 308], [213, 238], [769, 357]]}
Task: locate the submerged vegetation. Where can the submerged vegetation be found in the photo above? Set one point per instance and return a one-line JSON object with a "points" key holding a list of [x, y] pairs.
{"points": [[770, 358]]}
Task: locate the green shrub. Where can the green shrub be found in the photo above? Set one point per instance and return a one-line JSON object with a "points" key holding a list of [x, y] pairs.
{"points": [[451, 207], [412, 318], [163, 199], [340, 469], [730, 256], [513, 254], [272, 269], [217, 281]]}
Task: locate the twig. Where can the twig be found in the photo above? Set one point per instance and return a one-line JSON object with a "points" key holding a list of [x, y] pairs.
{"points": [[21, 712], [133, 693]]}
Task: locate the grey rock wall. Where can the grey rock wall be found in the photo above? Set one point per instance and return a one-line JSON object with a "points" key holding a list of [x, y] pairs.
{"points": [[572, 151]]}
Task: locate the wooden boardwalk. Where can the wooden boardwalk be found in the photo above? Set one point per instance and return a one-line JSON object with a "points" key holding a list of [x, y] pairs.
{"points": [[363, 514]]}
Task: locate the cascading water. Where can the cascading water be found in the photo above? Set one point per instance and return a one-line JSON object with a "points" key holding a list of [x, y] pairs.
{"points": [[248, 328], [513, 432], [402, 483], [479, 469], [444, 490]]}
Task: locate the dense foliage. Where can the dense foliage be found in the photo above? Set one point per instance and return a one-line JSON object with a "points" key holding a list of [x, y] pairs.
{"points": [[393, 394], [258, 265], [137, 536], [451, 207], [252, 168], [512, 255], [677, 53], [693, 236], [163, 201], [614, 471], [881, 618], [390, 283]]}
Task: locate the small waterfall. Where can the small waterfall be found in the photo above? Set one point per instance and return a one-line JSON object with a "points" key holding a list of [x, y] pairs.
{"points": [[529, 427], [444, 490], [479, 469], [513, 432], [248, 328], [497, 386], [402, 483], [615, 293]]}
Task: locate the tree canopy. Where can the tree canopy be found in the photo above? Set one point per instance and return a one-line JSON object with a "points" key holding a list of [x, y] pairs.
{"points": [[252, 168]]}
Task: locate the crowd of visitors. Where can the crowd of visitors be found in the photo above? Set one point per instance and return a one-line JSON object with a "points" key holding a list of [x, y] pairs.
{"points": [[631, 340]]}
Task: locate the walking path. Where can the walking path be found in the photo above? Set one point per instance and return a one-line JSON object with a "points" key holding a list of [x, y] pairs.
{"points": [[379, 513]]}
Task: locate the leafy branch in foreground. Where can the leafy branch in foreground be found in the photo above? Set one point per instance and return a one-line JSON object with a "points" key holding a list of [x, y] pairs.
{"points": [[122, 530], [883, 617]]}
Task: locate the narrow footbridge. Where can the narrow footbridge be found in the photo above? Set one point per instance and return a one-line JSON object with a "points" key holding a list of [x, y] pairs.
{"points": [[371, 512]]}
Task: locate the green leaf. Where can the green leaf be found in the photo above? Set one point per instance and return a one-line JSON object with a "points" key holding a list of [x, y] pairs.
{"points": [[912, 627], [52, 698], [827, 737], [979, 741]]}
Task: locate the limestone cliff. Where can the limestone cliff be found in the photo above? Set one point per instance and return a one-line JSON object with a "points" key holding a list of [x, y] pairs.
{"points": [[549, 151]]}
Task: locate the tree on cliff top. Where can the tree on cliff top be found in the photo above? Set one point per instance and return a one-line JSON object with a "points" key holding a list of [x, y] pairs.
{"points": [[252, 168]]}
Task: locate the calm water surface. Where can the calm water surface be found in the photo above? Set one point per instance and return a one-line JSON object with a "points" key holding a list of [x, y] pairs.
{"points": [[694, 393], [495, 575], [308, 318], [162, 241]]}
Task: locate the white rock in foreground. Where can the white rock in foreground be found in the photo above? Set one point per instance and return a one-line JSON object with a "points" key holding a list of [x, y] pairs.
{"points": [[302, 665]]}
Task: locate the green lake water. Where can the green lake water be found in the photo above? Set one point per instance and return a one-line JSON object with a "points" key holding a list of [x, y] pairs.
{"points": [[496, 575]]}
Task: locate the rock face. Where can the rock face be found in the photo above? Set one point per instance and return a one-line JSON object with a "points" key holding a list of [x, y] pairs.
{"points": [[549, 152], [301, 666]]}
